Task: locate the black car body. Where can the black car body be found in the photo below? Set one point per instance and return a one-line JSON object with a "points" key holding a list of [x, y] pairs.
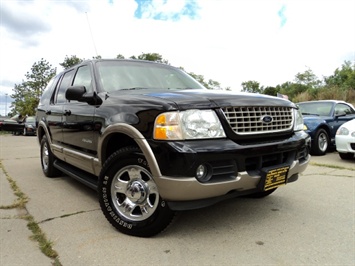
{"points": [[29, 126], [152, 140], [322, 120], [19, 126], [13, 124]]}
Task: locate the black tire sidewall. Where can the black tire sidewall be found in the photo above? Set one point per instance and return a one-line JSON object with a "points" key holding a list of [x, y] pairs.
{"points": [[51, 171], [261, 194], [346, 156], [149, 227]]}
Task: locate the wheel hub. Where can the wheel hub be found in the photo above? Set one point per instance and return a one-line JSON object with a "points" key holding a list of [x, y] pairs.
{"points": [[136, 192]]}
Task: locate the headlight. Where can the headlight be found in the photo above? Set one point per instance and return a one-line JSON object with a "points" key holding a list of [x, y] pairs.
{"points": [[342, 131], [298, 121], [190, 124]]}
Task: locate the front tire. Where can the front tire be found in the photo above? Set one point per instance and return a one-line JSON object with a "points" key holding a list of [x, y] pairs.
{"points": [[261, 194], [47, 159], [346, 156], [129, 197], [320, 143]]}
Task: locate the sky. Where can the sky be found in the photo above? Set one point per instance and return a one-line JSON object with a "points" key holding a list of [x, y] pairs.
{"points": [[229, 41]]}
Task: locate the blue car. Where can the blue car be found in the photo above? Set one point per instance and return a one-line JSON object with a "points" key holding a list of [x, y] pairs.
{"points": [[322, 120]]}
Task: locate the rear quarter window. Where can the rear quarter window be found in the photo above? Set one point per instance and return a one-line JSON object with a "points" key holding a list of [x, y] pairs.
{"points": [[48, 91]]}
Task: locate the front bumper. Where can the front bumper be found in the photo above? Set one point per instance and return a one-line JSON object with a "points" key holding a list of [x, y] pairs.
{"points": [[345, 144], [185, 189], [236, 168]]}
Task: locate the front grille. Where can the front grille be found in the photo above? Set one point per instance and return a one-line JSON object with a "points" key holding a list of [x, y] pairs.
{"points": [[259, 120], [256, 163]]}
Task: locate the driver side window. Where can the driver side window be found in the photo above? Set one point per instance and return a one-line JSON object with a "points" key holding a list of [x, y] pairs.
{"points": [[83, 78], [343, 108]]}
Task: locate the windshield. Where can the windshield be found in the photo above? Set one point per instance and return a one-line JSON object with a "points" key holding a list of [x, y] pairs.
{"points": [[316, 108], [124, 75]]}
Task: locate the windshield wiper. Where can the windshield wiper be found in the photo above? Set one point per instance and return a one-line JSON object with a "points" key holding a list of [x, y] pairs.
{"points": [[187, 88], [133, 88], [310, 114]]}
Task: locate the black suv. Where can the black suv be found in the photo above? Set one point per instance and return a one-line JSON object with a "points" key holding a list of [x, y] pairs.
{"points": [[152, 140]]}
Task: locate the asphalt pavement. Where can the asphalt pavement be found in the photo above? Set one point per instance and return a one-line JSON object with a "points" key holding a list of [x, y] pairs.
{"points": [[308, 222]]}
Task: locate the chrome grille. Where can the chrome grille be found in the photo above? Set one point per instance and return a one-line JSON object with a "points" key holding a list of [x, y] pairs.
{"points": [[256, 120]]}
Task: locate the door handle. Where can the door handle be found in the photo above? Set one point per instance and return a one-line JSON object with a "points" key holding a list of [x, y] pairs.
{"points": [[48, 112], [67, 112]]}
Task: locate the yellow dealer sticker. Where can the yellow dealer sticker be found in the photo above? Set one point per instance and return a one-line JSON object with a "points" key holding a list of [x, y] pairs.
{"points": [[276, 177]]}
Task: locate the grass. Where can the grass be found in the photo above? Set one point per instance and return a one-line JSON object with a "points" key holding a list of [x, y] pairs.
{"points": [[21, 200], [38, 235], [332, 166]]}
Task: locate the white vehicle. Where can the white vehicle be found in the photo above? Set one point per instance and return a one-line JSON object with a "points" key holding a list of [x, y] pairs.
{"points": [[345, 140]]}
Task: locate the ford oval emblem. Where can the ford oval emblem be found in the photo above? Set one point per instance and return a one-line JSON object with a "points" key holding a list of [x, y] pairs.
{"points": [[266, 119]]}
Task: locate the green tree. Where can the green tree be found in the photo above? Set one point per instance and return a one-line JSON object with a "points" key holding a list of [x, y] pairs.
{"points": [[344, 77], [308, 79], [70, 61], [252, 86], [119, 56], [27, 94], [304, 82], [272, 91], [209, 84], [291, 89], [151, 57]]}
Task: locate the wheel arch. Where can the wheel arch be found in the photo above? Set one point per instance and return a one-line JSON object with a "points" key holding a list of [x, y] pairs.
{"points": [[122, 135], [41, 131], [324, 127]]}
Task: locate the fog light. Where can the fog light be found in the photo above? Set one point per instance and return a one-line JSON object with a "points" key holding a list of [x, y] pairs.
{"points": [[202, 173]]}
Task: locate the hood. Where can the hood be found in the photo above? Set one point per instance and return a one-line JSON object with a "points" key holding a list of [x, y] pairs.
{"points": [[315, 117], [188, 99], [312, 121]]}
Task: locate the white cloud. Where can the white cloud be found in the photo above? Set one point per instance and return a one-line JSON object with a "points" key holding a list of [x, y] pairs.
{"points": [[226, 40]]}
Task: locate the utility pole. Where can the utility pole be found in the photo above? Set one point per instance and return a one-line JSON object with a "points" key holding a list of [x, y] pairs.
{"points": [[6, 104]]}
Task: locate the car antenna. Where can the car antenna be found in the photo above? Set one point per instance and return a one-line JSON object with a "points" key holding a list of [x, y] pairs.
{"points": [[92, 37]]}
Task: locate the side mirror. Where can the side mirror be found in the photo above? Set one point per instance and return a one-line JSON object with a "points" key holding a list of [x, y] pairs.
{"points": [[78, 93], [340, 113], [75, 93]]}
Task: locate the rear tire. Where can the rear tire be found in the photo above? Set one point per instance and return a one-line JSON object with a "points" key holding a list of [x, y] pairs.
{"points": [[129, 197], [47, 159]]}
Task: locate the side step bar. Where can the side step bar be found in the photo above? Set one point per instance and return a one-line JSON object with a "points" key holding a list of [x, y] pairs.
{"points": [[80, 175]]}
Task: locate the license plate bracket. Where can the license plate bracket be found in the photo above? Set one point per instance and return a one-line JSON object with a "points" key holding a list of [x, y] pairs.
{"points": [[273, 177]]}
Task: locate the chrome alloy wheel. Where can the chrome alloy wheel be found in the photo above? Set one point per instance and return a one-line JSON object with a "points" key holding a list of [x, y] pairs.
{"points": [[45, 156], [134, 193], [322, 142]]}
